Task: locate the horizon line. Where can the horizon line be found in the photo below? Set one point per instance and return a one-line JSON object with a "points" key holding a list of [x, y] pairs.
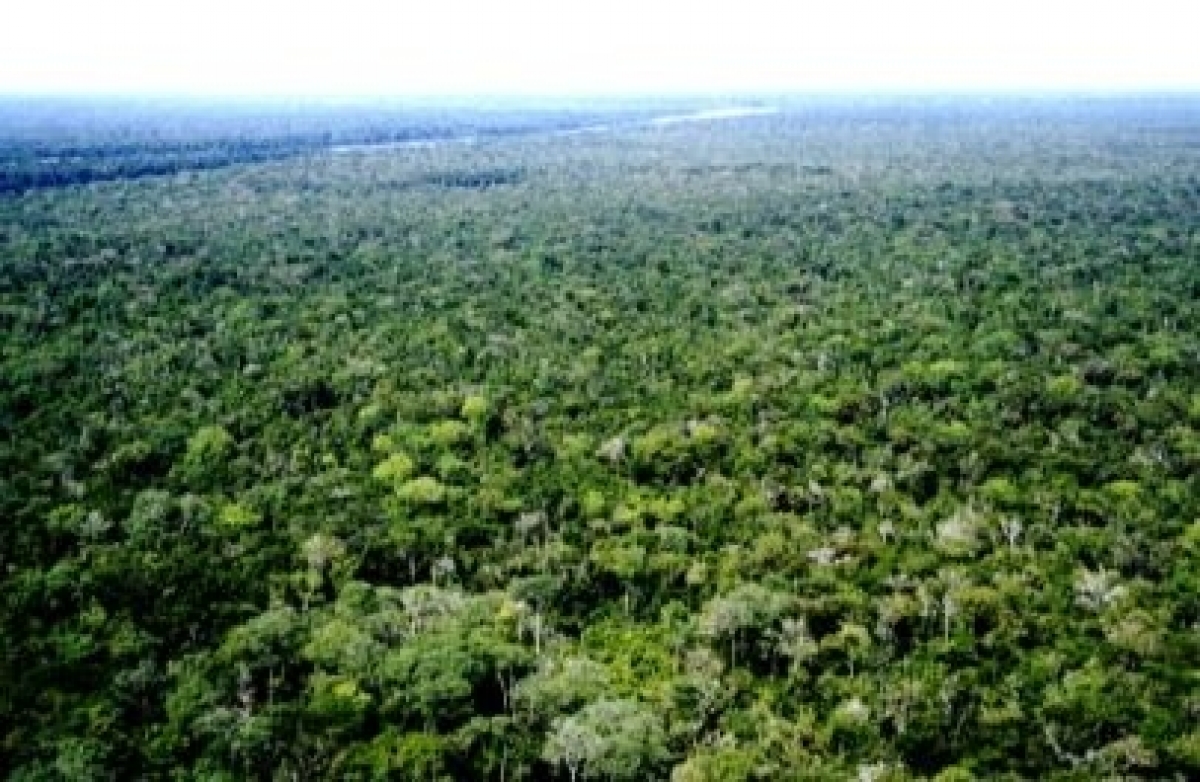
{"points": [[610, 95]]}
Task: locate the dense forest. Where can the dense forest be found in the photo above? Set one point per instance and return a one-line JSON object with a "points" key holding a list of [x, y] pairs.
{"points": [[857, 441], [54, 142]]}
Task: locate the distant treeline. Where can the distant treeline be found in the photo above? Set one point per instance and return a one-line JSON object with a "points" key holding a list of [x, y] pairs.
{"points": [[37, 152], [23, 169]]}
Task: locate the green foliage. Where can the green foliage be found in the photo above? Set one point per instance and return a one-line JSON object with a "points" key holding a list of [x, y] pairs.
{"points": [[726, 764], [206, 459], [475, 408], [609, 739], [446, 434], [208, 444], [841, 443], [395, 469], [424, 490], [335, 702], [236, 517]]}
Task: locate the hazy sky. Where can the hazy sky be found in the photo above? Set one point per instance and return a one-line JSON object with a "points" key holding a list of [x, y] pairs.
{"points": [[539, 46]]}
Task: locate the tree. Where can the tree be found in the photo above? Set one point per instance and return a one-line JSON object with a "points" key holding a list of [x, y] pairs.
{"points": [[748, 607], [610, 739], [206, 458], [562, 684]]}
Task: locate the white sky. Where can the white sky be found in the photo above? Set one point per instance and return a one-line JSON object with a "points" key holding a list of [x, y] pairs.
{"points": [[539, 46]]}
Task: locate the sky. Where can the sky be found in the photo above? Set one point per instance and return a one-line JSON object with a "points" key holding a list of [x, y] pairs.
{"points": [[476, 47]]}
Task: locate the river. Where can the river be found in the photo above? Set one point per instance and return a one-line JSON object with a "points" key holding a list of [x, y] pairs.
{"points": [[666, 120]]}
